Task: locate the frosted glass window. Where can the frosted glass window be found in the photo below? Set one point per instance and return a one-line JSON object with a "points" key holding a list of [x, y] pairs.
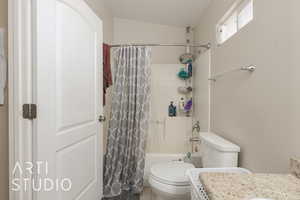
{"points": [[229, 27], [235, 19], [245, 15]]}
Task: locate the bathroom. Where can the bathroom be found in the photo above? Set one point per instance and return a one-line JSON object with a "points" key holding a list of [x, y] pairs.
{"points": [[191, 88]]}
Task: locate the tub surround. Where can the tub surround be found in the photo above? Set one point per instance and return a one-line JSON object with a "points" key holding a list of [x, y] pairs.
{"points": [[229, 186], [167, 135]]}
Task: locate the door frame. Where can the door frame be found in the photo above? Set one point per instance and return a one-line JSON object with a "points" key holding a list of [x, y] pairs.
{"points": [[20, 89]]}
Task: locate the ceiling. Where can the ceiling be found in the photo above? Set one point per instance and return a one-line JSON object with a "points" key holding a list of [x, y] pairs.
{"points": [[168, 12]]}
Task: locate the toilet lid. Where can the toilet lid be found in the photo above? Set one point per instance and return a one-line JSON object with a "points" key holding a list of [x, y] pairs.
{"points": [[171, 173]]}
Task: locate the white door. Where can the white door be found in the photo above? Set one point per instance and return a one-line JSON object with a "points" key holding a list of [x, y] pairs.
{"points": [[68, 94]]}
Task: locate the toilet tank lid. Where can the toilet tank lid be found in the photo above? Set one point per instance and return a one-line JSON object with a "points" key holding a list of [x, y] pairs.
{"points": [[219, 143]]}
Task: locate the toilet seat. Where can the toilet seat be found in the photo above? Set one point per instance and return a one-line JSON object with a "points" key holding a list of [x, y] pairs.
{"points": [[169, 190], [171, 173], [169, 180]]}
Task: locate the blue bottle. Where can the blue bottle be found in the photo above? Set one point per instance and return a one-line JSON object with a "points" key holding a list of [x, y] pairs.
{"points": [[190, 69], [172, 110]]}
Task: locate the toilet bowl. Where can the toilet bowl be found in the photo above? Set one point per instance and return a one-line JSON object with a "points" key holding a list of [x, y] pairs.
{"points": [[169, 181]]}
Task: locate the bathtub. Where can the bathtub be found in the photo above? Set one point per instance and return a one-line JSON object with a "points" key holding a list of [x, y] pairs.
{"points": [[154, 158]]}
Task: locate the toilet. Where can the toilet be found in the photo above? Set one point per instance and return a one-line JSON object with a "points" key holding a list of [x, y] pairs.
{"points": [[169, 181]]}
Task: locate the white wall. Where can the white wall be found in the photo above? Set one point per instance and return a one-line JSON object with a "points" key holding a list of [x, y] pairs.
{"points": [[201, 91], [172, 135], [130, 31], [260, 112]]}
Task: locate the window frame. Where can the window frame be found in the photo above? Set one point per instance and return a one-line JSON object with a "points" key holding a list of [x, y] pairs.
{"points": [[234, 11]]}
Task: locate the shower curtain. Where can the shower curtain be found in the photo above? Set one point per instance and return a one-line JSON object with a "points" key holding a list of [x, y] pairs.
{"points": [[125, 156]]}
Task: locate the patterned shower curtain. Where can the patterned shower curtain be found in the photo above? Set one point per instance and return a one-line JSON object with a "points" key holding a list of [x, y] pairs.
{"points": [[125, 155]]}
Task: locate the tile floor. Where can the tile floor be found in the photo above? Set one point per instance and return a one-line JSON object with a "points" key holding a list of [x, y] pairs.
{"points": [[146, 195]]}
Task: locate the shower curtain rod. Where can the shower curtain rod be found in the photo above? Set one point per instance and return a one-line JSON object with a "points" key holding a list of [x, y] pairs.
{"points": [[206, 46]]}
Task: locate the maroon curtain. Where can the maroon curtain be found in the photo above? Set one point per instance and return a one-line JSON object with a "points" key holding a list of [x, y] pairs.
{"points": [[107, 76]]}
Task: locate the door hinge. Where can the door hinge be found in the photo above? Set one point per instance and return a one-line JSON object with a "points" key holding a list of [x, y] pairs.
{"points": [[29, 111]]}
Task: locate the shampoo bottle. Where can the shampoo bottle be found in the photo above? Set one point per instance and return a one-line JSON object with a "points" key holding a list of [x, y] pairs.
{"points": [[171, 110], [181, 105]]}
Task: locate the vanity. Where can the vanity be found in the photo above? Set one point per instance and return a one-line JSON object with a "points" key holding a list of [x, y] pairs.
{"points": [[221, 184]]}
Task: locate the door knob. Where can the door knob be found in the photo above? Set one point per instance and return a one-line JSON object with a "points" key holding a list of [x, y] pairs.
{"points": [[102, 118]]}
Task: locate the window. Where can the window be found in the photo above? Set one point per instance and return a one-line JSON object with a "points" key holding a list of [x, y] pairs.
{"points": [[245, 15], [236, 18]]}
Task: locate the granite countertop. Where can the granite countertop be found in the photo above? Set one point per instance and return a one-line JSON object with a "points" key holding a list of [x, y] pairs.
{"points": [[232, 186]]}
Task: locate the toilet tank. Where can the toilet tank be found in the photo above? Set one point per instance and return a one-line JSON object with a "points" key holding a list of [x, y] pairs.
{"points": [[218, 152]]}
